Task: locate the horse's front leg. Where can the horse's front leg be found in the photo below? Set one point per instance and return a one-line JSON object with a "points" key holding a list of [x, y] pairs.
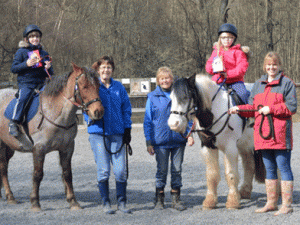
{"points": [[65, 162], [37, 177], [5, 155], [232, 176], [211, 157]]}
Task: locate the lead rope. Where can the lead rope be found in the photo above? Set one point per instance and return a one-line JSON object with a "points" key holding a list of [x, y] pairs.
{"points": [[270, 121]]}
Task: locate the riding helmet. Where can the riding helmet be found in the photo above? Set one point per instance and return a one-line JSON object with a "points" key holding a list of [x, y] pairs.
{"points": [[30, 28], [229, 28]]}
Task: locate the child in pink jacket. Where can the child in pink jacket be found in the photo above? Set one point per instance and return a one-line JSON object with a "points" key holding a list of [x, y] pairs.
{"points": [[228, 62]]}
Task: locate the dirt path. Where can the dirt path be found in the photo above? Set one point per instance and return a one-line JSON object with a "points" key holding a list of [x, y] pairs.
{"points": [[140, 191]]}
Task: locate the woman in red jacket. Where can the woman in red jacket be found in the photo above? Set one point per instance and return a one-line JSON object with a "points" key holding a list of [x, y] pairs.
{"points": [[273, 102], [228, 63]]}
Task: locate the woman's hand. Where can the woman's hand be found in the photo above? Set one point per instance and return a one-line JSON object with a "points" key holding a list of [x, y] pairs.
{"points": [[191, 141], [233, 110], [264, 110], [150, 150]]}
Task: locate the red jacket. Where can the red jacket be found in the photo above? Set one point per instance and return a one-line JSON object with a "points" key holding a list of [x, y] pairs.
{"points": [[234, 61], [280, 96]]}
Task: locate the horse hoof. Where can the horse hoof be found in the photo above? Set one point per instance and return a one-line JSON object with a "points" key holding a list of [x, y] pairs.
{"points": [[209, 203], [12, 202], [233, 202], [36, 209], [75, 207], [245, 194]]}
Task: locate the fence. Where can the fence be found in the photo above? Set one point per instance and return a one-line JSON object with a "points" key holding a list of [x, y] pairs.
{"points": [[138, 96]]}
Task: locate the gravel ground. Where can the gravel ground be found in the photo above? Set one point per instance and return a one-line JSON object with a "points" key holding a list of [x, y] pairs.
{"points": [[141, 190]]}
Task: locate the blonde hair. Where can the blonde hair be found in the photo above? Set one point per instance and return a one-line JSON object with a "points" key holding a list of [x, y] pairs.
{"points": [[160, 72], [273, 56], [219, 43]]}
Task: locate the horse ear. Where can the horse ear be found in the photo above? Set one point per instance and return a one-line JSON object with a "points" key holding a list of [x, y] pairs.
{"points": [[75, 67], [192, 80]]}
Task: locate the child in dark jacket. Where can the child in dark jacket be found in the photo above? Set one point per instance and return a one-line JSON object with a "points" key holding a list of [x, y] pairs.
{"points": [[162, 141], [30, 63]]}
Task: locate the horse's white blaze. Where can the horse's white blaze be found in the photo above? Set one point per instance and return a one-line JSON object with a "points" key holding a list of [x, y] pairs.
{"points": [[177, 122]]}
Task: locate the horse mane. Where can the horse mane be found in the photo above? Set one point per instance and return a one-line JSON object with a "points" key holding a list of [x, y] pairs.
{"points": [[205, 86], [55, 85]]}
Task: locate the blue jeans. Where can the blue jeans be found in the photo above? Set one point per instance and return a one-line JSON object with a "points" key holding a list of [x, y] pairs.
{"points": [[280, 159], [162, 159], [103, 158]]}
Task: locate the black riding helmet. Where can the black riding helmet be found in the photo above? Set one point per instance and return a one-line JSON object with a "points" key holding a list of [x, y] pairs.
{"points": [[30, 28], [229, 28]]}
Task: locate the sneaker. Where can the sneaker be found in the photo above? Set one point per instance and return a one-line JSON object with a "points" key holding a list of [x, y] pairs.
{"points": [[13, 129]]}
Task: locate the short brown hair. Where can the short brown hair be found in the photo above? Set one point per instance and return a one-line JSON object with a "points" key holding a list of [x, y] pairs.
{"points": [[161, 70], [272, 56], [108, 59]]}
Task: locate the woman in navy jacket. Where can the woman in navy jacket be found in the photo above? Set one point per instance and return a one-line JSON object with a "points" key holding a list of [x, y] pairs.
{"points": [[162, 141], [108, 135]]}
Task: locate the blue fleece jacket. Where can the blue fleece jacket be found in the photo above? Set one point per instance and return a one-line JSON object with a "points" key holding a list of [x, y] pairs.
{"points": [[117, 110], [156, 128], [30, 75]]}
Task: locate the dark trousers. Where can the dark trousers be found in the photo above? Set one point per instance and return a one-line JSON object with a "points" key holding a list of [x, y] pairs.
{"points": [[24, 93]]}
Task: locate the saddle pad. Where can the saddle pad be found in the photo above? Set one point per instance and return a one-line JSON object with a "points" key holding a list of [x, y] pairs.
{"points": [[30, 113]]}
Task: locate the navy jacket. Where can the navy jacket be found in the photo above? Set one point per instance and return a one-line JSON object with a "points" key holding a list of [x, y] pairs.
{"points": [[29, 75], [117, 110], [156, 129]]}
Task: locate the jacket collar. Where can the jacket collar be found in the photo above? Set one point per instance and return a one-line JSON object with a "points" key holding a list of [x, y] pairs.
{"points": [[276, 81], [158, 91]]}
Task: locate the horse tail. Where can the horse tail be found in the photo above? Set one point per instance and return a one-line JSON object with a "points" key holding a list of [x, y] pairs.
{"points": [[260, 170]]}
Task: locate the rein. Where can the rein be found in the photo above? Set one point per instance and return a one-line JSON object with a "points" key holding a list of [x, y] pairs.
{"points": [[83, 106], [216, 121]]}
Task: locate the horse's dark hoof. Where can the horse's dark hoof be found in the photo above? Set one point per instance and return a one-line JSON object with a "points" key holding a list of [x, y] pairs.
{"points": [[12, 202]]}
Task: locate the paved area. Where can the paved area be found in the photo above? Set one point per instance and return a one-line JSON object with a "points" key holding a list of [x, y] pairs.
{"points": [[141, 191]]}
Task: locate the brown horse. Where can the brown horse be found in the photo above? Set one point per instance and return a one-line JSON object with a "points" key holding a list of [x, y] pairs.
{"points": [[54, 127]]}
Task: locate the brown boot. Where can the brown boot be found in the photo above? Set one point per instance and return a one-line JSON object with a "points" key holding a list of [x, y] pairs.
{"points": [[287, 198], [176, 203], [159, 199], [272, 197]]}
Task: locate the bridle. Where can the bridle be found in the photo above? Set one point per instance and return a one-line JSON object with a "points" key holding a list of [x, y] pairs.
{"points": [[197, 107], [82, 105]]}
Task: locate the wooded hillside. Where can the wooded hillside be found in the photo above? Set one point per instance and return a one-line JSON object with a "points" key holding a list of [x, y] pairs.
{"points": [[143, 35]]}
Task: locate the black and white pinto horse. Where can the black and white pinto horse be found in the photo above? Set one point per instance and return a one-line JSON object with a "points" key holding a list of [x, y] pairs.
{"points": [[200, 99]]}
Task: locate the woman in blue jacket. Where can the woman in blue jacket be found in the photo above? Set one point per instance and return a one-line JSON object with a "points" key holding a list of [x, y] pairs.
{"points": [[30, 63], [108, 135], [162, 141]]}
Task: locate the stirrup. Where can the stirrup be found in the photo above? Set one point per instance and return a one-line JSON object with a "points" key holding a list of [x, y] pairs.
{"points": [[13, 129]]}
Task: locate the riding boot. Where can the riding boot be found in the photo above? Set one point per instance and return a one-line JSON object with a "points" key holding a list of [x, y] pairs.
{"points": [[159, 199], [272, 197], [13, 128], [121, 196], [104, 192], [287, 198], [176, 203]]}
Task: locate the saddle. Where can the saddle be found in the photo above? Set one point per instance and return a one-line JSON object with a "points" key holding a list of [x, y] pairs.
{"points": [[29, 110]]}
